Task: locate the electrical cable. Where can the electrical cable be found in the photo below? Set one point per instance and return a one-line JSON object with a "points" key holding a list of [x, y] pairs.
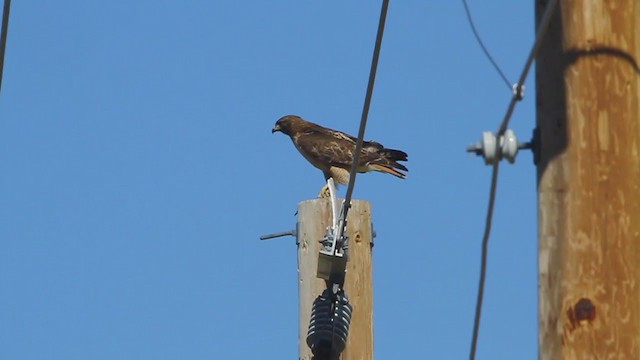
{"points": [[517, 96], [481, 43], [483, 260], [3, 35], [363, 124], [519, 87], [363, 120]]}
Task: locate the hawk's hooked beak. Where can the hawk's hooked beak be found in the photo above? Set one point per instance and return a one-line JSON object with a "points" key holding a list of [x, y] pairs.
{"points": [[276, 128]]}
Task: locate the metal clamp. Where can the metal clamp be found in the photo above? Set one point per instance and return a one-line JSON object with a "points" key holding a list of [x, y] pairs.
{"points": [[333, 255]]}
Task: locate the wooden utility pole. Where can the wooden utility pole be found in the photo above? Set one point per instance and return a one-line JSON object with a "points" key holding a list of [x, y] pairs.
{"points": [[313, 218], [588, 102]]}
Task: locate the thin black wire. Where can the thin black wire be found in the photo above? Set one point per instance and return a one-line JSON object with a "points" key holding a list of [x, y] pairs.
{"points": [[517, 95], [363, 120], [3, 36], [484, 48]]}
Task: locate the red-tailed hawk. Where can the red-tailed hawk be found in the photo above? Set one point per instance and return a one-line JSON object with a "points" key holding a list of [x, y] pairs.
{"points": [[332, 151]]}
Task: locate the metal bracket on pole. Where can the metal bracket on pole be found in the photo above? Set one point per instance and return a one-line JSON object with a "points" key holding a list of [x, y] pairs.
{"points": [[333, 256]]}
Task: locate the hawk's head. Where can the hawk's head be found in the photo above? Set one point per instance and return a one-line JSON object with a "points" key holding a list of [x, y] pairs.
{"points": [[288, 124]]}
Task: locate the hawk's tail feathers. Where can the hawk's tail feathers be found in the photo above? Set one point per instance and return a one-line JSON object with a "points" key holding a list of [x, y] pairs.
{"points": [[395, 155], [397, 165], [389, 170], [391, 158]]}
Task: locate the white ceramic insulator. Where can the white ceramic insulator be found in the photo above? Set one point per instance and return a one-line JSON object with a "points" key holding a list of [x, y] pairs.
{"points": [[489, 147], [509, 145]]}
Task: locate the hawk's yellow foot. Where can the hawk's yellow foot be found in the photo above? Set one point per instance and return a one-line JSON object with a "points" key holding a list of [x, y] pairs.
{"points": [[324, 193]]}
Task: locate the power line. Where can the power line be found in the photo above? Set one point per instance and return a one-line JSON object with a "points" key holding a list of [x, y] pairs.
{"points": [[518, 91], [342, 221], [481, 43], [517, 96], [483, 260], [363, 120], [3, 36]]}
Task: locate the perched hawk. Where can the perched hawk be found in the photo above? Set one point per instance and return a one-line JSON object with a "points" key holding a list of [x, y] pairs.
{"points": [[332, 151]]}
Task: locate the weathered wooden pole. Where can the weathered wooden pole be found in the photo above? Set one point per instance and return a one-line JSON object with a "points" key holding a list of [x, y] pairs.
{"points": [[313, 218], [588, 115]]}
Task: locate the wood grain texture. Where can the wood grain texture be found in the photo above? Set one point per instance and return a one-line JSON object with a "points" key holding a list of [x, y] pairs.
{"points": [[313, 218], [588, 100]]}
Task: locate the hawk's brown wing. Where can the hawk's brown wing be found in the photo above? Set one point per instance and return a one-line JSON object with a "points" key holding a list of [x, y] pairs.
{"points": [[326, 148]]}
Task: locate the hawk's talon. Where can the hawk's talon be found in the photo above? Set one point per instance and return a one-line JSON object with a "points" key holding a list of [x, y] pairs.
{"points": [[324, 193]]}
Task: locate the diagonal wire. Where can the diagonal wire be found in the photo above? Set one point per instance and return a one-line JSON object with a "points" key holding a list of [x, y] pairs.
{"points": [[518, 92], [481, 43], [363, 120], [517, 95], [342, 221], [483, 260], [3, 35]]}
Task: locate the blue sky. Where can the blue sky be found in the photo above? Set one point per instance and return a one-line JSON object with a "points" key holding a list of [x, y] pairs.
{"points": [[138, 170]]}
